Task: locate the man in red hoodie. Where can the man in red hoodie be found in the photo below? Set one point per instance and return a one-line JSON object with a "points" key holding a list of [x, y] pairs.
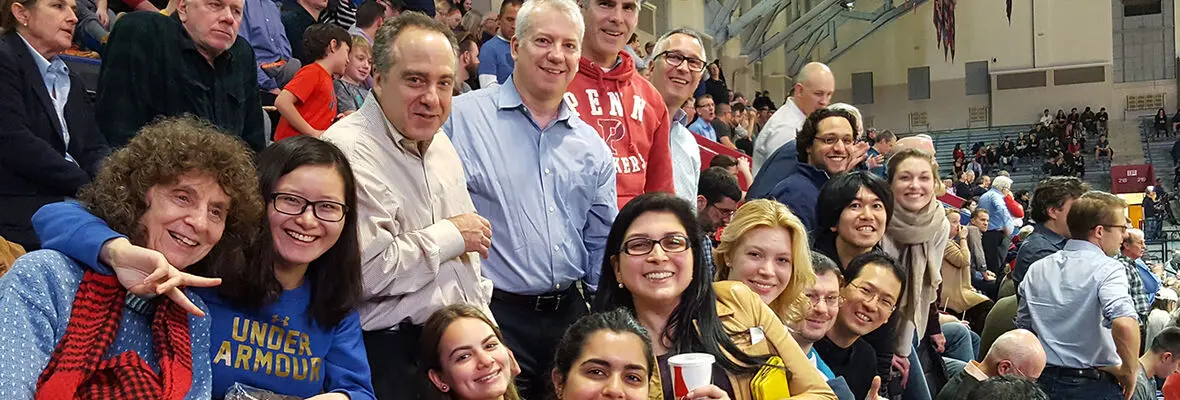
{"points": [[619, 103]]}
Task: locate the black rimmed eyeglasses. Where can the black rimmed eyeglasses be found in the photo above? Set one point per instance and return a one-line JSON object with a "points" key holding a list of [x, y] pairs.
{"points": [[675, 59], [293, 204]]}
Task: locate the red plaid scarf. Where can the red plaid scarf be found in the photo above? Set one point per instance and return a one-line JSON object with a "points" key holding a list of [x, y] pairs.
{"points": [[77, 370]]}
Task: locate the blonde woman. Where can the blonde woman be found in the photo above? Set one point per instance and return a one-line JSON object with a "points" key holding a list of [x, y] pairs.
{"points": [[765, 247]]}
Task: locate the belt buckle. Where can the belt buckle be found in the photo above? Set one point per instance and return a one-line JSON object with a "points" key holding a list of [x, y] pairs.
{"points": [[547, 303]]}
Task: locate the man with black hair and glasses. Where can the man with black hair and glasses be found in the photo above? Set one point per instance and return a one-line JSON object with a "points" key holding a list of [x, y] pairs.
{"points": [[718, 195]]}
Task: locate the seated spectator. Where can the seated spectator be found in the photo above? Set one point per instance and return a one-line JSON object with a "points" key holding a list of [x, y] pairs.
{"points": [[1045, 119], [1161, 316], [608, 352], [1103, 118], [718, 195], [296, 19], [706, 111], [873, 285], [1007, 388], [1102, 148], [1088, 121], [351, 88], [64, 325], [660, 218], [1161, 360], [315, 286], [262, 27], [957, 153], [308, 104], [158, 65], [958, 294], [1015, 353], [460, 347], [51, 143]]}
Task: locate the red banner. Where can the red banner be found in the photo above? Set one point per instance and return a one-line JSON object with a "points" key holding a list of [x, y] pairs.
{"points": [[709, 149], [1134, 178]]}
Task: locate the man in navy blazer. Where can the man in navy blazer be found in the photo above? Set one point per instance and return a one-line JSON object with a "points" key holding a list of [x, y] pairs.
{"points": [[34, 166]]}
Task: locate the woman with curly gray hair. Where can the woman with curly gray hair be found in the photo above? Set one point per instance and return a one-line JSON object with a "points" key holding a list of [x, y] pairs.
{"points": [[181, 188]]}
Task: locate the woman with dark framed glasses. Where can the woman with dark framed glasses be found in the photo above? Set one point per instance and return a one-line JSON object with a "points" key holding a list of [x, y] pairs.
{"points": [[653, 268], [285, 320]]}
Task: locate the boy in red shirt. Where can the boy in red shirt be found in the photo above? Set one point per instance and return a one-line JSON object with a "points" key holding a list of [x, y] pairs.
{"points": [[308, 103]]}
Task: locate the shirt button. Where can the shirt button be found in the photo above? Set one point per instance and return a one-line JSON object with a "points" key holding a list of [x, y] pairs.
{"points": [[546, 171], [556, 248], [551, 209]]}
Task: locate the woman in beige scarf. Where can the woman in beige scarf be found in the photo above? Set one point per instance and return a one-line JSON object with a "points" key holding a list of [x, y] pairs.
{"points": [[917, 236]]}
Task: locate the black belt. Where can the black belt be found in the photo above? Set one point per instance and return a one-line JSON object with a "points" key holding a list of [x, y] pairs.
{"points": [[1088, 373], [547, 302]]}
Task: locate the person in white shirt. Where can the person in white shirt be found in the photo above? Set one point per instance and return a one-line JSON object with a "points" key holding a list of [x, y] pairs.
{"points": [[813, 90], [675, 79]]}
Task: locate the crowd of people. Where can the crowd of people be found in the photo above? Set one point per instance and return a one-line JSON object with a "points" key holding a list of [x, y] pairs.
{"points": [[521, 212]]}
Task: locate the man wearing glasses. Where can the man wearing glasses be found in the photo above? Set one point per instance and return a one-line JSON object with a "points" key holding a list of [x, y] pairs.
{"points": [[614, 99], [683, 59], [873, 284], [717, 200], [825, 149], [1078, 304], [821, 316]]}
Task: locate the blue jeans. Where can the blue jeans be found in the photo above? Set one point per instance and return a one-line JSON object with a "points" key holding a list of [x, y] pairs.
{"points": [[961, 343], [916, 388], [1077, 388]]}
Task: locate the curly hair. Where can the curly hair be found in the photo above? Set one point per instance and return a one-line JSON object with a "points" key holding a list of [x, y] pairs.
{"points": [[791, 305], [160, 154]]}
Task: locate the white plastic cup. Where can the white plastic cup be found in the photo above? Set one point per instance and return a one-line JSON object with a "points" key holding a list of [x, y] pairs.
{"points": [[690, 371]]}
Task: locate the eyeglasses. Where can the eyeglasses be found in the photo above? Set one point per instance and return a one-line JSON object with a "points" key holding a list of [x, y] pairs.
{"points": [[832, 301], [675, 59], [1112, 226], [871, 295], [674, 243], [724, 212], [325, 210]]}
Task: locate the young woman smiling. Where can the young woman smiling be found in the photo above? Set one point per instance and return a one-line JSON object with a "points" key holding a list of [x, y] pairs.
{"points": [[301, 280], [464, 356], [603, 356], [765, 247], [653, 268]]}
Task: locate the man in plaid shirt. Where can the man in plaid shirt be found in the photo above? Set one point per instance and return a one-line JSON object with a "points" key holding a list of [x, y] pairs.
{"points": [[1142, 283], [718, 194]]}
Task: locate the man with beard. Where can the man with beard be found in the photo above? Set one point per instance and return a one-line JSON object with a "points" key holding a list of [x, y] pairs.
{"points": [[717, 201], [468, 64]]}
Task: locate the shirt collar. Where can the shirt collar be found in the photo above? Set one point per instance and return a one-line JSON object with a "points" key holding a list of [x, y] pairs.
{"points": [[42, 64], [509, 99], [680, 116], [416, 148], [974, 371], [1083, 246], [1053, 237], [187, 43]]}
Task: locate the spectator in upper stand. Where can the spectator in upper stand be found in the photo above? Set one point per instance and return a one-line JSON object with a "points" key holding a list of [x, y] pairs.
{"points": [[717, 201], [1161, 360], [630, 48], [1007, 154], [963, 185], [762, 101], [495, 55], [369, 16], [1103, 118], [674, 77], [1161, 123], [881, 150], [999, 227], [192, 62], [418, 229], [296, 19], [554, 225], [262, 27], [813, 90], [1016, 353], [1077, 163], [1102, 148], [957, 153], [1074, 120], [1088, 121], [723, 124], [350, 87], [1097, 336], [308, 103], [468, 64], [50, 144], [623, 106], [706, 112], [824, 149], [715, 84], [1046, 119], [1142, 284]]}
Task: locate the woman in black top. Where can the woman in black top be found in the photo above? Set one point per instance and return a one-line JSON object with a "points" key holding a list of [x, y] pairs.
{"points": [[1161, 123]]}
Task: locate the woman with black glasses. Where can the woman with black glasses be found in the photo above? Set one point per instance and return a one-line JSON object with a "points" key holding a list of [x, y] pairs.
{"points": [[284, 319]]}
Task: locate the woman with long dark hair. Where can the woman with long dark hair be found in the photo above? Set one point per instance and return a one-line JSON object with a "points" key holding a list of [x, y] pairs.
{"points": [[301, 279], [653, 267], [603, 355], [464, 357]]}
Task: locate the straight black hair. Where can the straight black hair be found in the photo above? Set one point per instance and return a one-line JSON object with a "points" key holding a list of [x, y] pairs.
{"points": [[880, 259], [574, 341], [693, 325], [335, 277], [838, 194]]}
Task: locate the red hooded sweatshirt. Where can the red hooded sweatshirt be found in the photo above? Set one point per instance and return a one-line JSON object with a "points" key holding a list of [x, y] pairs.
{"points": [[630, 115]]}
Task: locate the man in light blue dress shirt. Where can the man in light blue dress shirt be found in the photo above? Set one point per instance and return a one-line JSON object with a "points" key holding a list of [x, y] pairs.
{"points": [[1076, 301], [673, 74], [996, 238], [545, 181], [706, 111]]}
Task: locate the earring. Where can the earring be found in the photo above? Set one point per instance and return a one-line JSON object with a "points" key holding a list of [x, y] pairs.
{"points": [[620, 285], [444, 387]]}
